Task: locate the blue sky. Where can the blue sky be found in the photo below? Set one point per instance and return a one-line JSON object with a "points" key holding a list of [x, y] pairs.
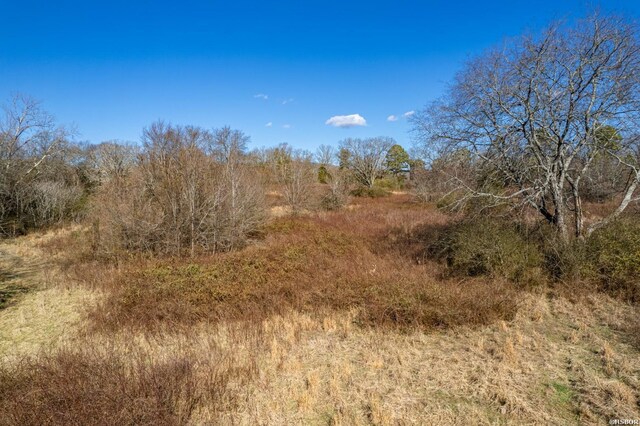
{"points": [[111, 68]]}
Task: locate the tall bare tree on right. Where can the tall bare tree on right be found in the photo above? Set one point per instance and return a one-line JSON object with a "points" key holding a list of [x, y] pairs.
{"points": [[537, 114]]}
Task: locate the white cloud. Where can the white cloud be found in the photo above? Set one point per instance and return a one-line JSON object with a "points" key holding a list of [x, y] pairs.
{"points": [[346, 121], [286, 126], [269, 124], [408, 114], [392, 118], [287, 101], [261, 96]]}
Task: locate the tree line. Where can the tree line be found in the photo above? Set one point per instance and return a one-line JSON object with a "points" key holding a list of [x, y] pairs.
{"points": [[182, 189], [542, 124]]}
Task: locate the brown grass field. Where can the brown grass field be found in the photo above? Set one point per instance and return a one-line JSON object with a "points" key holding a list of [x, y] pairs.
{"points": [[328, 318]]}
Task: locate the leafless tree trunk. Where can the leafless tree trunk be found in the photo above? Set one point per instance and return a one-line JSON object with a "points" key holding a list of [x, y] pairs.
{"points": [[536, 114]]}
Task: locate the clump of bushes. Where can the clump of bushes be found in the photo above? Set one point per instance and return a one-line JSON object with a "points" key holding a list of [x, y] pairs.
{"points": [[337, 195], [612, 257], [189, 191], [324, 176], [306, 265], [82, 388], [609, 258], [373, 192], [389, 182], [334, 199], [563, 261], [487, 247]]}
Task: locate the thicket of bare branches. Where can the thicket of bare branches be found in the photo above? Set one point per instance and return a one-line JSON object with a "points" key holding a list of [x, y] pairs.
{"points": [[336, 195], [190, 190], [38, 186], [440, 181], [541, 117], [291, 173], [326, 155], [108, 160], [365, 158], [297, 175]]}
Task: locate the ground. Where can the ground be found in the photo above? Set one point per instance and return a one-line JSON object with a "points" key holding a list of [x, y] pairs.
{"points": [[94, 355]]}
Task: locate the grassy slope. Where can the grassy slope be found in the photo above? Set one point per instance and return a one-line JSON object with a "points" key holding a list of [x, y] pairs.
{"points": [[282, 343], [40, 307]]}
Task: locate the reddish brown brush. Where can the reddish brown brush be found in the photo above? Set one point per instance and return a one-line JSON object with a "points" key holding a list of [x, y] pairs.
{"points": [[362, 259], [86, 387]]}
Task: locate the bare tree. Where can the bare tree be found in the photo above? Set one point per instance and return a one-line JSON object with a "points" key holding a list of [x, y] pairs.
{"points": [[326, 155], [295, 175], [243, 195], [32, 148], [28, 137], [367, 157], [298, 176], [443, 180], [531, 117], [110, 160], [337, 195], [189, 191]]}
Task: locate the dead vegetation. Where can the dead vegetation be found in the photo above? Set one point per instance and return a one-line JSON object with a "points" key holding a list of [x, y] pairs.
{"points": [[330, 262], [331, 318], [175, 298], [127, 382]]}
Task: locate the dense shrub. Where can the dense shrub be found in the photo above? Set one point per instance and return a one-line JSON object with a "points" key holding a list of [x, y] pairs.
{"points": [[337, 194], [563, 261], [189, 190], [334, 200], [389, 183], [485, 247], [613, 258], [364, 191], [52, 202], [305, 264], [323, 174], [78, 388]]}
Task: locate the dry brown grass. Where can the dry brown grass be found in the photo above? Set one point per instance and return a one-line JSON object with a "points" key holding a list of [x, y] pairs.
{"points": [[129, 380], [544, 367], [50, 309], [555, 363], [334, 318]]}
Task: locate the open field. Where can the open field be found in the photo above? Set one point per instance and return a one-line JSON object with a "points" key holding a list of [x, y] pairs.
{"points": [[341, 214], [327, 318]]}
